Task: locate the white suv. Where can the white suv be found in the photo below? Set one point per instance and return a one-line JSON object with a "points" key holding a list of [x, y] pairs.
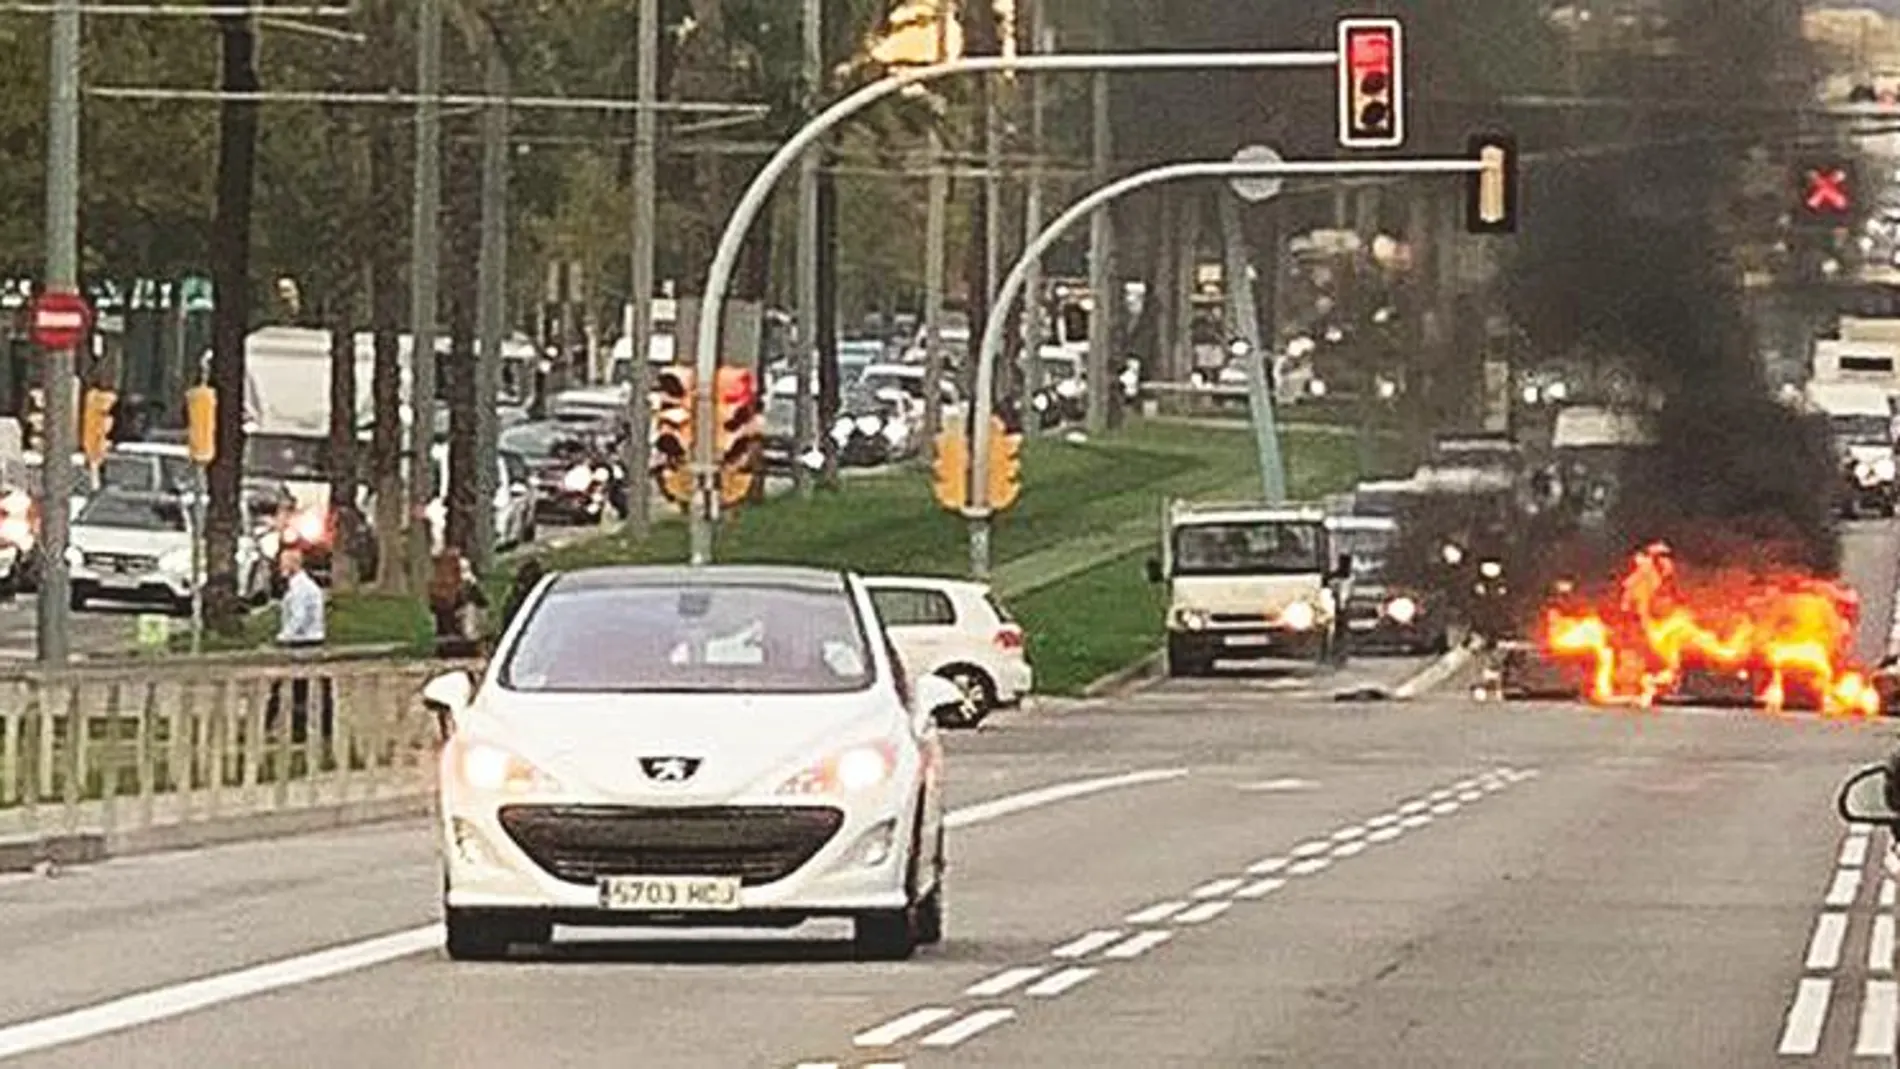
{"points": [[957, 630]]}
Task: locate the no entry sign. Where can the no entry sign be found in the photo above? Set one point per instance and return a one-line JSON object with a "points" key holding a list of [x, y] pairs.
{"points": [[61, 320]]}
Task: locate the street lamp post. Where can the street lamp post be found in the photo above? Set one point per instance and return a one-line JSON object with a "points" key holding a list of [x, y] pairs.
{"points": [[978, 511], [732, 241]]}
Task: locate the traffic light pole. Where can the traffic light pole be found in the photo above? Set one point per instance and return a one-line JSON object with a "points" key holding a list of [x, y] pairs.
{"points": [[62, 276], [759, 193], [978, 511]]}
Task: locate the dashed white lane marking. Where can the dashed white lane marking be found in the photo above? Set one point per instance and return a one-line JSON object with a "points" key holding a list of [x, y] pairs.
{"points": [[1278, 786], [901, 1028], [1414, 807], [1057, 983], [1383, 820], [1217, 888], [1346, 835], [1880, 945], [1205, 912], [1267, 867], [1261, 889], [1442, 794], [1854, 850], [1801, 1032], [1886, 894], [1003, 982], [1088, 944], [1846, 886], [1353, 849], [1385, 835], [1824, 949], [1416, 820], [1309, 866], [1156, 913], [1313, 848], [1879, 1016], [1137, 945], [1445, 809], [968, 1028]]}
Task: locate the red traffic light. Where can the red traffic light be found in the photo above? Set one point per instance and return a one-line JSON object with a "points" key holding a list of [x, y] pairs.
{"points": [[737, 387], [1371, 83], [1827, 190]]}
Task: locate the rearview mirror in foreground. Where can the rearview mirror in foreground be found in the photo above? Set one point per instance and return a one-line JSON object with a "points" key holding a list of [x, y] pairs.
{"points": [[1868, 797]]}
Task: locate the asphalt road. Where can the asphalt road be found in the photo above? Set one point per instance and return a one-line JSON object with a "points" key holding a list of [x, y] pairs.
{"points": [[1245, 872]]}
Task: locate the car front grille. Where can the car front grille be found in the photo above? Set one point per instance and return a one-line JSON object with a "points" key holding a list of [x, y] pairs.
{"points": [[1238, 619], [758, 844], [121, 562]]}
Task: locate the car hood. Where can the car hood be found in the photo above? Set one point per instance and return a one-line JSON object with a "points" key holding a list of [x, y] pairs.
{"points": [[123, 540], [593, 743], [1268, 595]]}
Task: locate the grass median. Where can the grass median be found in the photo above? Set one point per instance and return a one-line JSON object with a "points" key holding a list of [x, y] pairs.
{"points": [[1067, 557]]}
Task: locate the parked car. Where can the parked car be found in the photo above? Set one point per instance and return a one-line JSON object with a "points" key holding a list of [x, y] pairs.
{"points": [[960, 631]]}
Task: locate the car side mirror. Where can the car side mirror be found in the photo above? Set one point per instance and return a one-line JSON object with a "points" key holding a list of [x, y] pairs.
{"points": [[939, 697], [1154, 570], [1864, 798], [1342, 567], [448, 693]]}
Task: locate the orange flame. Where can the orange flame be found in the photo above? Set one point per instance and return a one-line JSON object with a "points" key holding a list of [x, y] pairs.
{"points": [[1778, 631]]}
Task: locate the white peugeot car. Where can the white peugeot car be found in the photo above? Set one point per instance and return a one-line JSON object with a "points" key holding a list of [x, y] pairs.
{"points": [[706, 747]]}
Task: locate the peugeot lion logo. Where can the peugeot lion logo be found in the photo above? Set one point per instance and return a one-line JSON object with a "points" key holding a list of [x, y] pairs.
{"points": [[669, 769]]}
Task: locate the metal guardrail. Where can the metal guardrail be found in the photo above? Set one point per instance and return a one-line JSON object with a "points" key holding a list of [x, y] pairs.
{"points": [[108, 756]]}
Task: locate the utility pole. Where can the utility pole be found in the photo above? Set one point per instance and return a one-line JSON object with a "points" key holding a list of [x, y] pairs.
{"points": [[492, 312], [1041, 39], [425, 248], [936, 222], [62, 276], [1101, 272], [646, 133], [804, 358]]}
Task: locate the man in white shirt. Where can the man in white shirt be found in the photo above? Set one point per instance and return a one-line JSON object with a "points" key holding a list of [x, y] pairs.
{"points": [[300, 626]]}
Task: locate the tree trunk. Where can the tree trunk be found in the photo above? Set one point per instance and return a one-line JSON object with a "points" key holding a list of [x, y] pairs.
{"points": [[343, 436], [231, 275], [461, 288], [980, 39], [388, 207]]}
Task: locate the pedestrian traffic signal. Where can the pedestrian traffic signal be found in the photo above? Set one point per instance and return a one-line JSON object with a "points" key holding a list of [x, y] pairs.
{"points": [[673, 435], [1491, 200], [739, 434], [1005, 483], [1371, 83], [951, 466], [95, 424], [201, 424], [1826, 190]]}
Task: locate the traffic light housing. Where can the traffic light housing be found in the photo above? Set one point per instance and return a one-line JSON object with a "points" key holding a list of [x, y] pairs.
{"points": [[1371, 83], [739, 434], [951, 468], [1491, 194], [201, 424], [1826, 191], [673, 434], [1005, 483], [35, 421], [95, 424]]}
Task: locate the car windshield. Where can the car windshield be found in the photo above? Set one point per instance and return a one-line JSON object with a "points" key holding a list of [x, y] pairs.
{"points": [[132, 513], [781, 412], [690, 639], [128, 471], [1265, 547], [877, 382], [1862, 429], [535, 441], [283, 456]]}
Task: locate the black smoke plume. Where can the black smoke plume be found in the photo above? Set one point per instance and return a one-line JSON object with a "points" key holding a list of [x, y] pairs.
{"points": [[1630, 258]]}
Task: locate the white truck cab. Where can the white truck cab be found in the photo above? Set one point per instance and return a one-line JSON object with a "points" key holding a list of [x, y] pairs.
{"points": [[1249, 582]]}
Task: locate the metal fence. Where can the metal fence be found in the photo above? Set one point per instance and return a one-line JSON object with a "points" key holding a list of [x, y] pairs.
{"points": [[111, 756]]}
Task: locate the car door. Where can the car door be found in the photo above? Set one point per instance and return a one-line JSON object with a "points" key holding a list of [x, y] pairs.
{"points": [[921, 622]]}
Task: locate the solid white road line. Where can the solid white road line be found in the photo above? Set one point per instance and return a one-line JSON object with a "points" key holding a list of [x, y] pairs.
{"points": [[1385, 835], [1845, 888], [1267, 867], [1086, 945], [1057, 983], [1879, 1016], [1347, 850], [1260, 890], [178, 999], [979, 1022], [1003, 982], [1854, 850], [1801, 1033], [899, 1029], [1137, 945], [1880, 945], [190, 996], [1217, 888], [1310, 866], [983, 812], [1156, 913], [1204, 912], [1824, 949]]}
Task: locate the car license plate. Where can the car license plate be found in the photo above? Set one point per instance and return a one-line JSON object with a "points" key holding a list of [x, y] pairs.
{"points": [[670, 894], [1363, 625], [1249, 640]]}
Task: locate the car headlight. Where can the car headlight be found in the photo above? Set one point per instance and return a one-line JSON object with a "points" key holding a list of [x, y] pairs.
{"points": [[1317, 387], [1069, 389], [1453, 553], [850, 771], [75, 557], [1884, 469], [1190, 619], [178, 560], [868, 425], [1491, 569], [841, 431], [578, 479], [15, 531], [1402, 610], [1300, 616], [1040, 403], [492, 769], [896, 431]]}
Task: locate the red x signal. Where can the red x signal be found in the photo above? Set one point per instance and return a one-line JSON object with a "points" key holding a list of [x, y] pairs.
{"points": [[1827, 190]]}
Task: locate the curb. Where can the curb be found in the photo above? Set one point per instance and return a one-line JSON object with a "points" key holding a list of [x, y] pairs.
{"points": [[1127, 679], [1436, 674]]}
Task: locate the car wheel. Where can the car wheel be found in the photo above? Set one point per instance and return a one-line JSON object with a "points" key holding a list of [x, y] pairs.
{"points": [[77, 601], [930, 910], [478, 936], [1182, 662], [976, 696], [886, 935]]}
